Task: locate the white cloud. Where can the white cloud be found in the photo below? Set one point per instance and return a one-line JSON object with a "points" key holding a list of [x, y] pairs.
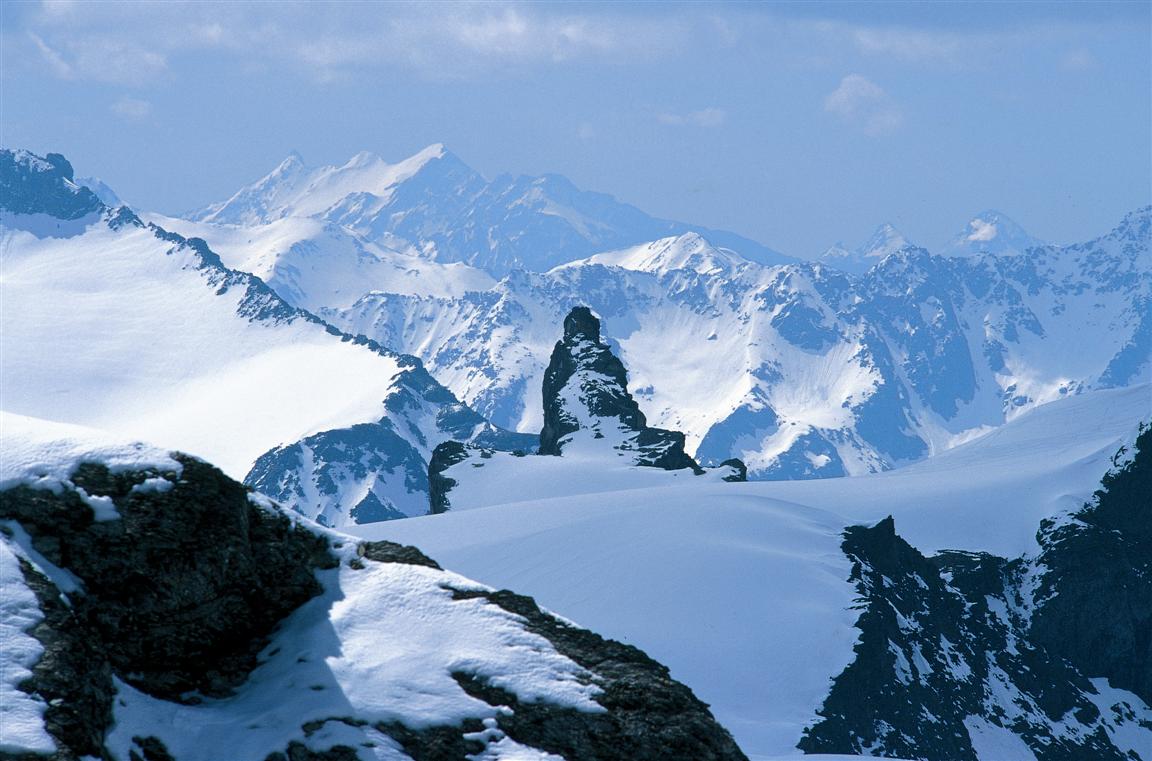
{"points": [[705, 117], [1079, 60], [982, 230], [132, 109], [133, 42], [55, 61], [100, 59], [912, 44], [860, 101]]}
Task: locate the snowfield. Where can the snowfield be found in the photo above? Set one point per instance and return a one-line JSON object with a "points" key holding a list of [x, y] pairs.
{"points": [[119, 330], [741, 588]]}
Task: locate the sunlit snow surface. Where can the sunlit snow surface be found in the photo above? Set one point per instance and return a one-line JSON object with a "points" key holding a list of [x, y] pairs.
{"points": [[741, 589], [379, 645], [112, 330]]}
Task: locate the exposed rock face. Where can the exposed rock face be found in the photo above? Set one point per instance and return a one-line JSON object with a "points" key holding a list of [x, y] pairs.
{"points": [[965, 649], [443, 457], [384, 463], [1094, 600], [178, 594], [586, 390], [182, 591], [33, 185], [650, 716]]}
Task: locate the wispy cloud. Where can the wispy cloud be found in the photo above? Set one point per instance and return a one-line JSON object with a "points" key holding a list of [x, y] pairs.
{"points": [[705, 117], [913, 44], [860, 101], [100, 59], [51, 58], [132, 109], [1080, 59], [132, 42]]}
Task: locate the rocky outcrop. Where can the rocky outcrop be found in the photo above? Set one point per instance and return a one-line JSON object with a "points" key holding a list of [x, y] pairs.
{"points": [[178, 590], [181, 591], [649, 717], [966, 650], [1093, 603], [586, 390], [33, 185]]}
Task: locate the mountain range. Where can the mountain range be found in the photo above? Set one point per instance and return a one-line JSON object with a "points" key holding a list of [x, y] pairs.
{"points": [[637, 422]]}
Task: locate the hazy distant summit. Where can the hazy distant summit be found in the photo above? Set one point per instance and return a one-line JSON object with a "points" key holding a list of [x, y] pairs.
{"points": [[434, 204]]}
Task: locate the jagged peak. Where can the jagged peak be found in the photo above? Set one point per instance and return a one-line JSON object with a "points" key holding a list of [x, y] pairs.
{"points": [[581, 324], [362, 159], [292, 161], [586, 398], [994, 232], [32, 184]]}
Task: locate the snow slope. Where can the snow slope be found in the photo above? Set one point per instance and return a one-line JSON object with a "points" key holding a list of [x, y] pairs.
{"points": [[991, 493], [121, 330], [741, 588], [667, 569], [314, 264]]}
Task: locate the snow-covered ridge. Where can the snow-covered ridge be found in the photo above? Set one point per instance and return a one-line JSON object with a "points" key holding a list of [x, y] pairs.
{"points": [[292, 189], [41, 452], [437, 206], [885, 240], [689, 251], [803, 371], [162, 341]]}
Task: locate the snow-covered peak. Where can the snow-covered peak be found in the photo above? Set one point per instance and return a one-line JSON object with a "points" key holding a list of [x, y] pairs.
{"points": [[106, 194], [293, 189], [292, 162], [689, 251], [991, 232], [885, 240]]}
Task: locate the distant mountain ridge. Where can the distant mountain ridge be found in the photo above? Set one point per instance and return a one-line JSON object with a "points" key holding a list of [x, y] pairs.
{"points": [[441, 208], [803, 370], [884, 241]]}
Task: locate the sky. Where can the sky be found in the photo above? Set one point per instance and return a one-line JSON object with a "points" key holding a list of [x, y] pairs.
{"points": [[797, 124]]}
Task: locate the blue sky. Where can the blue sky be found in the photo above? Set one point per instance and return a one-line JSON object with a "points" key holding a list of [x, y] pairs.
{"points": [[798, 124]]}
